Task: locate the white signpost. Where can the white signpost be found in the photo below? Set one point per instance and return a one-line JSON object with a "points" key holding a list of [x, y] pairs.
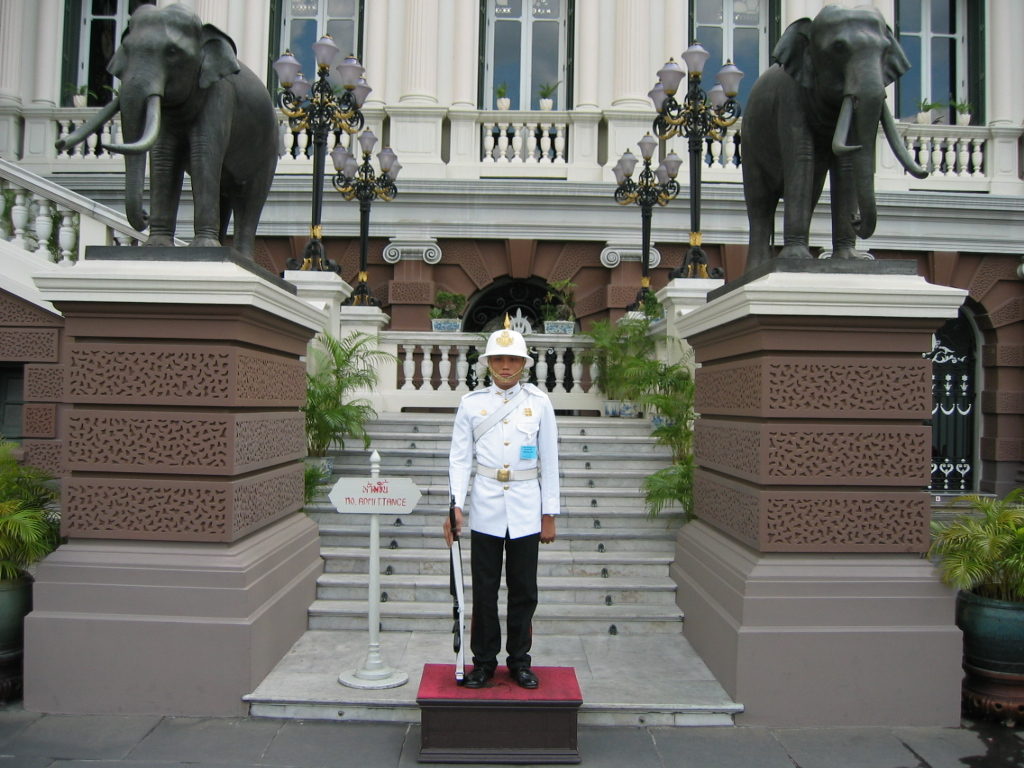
{"points": [[374, 496]]}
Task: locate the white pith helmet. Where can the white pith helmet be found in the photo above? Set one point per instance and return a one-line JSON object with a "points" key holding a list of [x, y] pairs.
{"points": [[507, 342]]}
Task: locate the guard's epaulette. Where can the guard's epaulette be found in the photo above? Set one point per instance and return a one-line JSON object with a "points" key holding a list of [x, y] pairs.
{"points": [[476, 392]]}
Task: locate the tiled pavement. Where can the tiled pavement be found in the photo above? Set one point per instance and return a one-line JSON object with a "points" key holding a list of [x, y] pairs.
{"points": [[29, 740]]}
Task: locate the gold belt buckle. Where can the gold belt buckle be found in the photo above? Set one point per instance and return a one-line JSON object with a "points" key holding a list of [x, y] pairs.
{"points": [[504, 475]]}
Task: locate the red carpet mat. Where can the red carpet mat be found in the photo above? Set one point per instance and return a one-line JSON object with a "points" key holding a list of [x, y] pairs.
{"points": [[556, 684]]}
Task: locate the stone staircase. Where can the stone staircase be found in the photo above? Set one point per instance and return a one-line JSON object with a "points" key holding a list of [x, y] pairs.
{"points": [[607, 573], [607, 603]]}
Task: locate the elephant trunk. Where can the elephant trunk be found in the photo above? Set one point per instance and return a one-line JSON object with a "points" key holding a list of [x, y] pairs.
{"points": [[855, 135], [899, 149], [140, 123], [89, 127], [150, 130]]}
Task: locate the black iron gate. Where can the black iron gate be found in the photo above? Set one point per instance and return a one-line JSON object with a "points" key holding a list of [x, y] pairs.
{"points": [[953, 407]]}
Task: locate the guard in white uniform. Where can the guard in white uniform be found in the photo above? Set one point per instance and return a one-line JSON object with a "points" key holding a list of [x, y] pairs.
{"points": [[509, 429]]}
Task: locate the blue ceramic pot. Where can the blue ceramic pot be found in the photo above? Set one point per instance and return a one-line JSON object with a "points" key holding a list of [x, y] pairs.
{"points": [[993, 655]]}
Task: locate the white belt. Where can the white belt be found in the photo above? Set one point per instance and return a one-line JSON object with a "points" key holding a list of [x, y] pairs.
{"points": [[507, 475]]}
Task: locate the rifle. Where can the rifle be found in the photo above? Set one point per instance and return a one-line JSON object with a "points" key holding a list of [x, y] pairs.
{"points": [[458, 595]]}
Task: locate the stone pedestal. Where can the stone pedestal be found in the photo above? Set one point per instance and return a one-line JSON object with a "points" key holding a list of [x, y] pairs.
{"points": [[189, 566], [803, 583]]}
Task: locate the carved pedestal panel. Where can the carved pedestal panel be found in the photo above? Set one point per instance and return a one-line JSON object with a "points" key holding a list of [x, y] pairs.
{"points": [[802, 583], [189, 568]]}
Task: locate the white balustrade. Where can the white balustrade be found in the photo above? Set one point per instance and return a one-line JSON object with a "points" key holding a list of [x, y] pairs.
{"points": [[537, 144], [521, 139], [426, 376]]}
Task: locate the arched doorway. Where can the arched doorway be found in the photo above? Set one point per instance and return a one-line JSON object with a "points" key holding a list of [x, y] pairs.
{"points": [[506, 295]]}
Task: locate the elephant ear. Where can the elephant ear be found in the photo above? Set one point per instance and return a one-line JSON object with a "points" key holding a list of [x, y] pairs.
{"points": [[793, 52], [895, 62], [218, 56]]}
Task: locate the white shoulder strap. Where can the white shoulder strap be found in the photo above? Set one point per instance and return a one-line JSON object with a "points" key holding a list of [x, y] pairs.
{"points": [[485, 426]]}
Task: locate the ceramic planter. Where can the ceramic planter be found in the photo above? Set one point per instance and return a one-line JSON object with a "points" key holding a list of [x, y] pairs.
{"points": [[993, 655], [612, 407], [79, 100], [924, 118], [503, 104], [15, 604], [546, 105], [560, 327], [629, 410], [445, 324], [963, 118]]}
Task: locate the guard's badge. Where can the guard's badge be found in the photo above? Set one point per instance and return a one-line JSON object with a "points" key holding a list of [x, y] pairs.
{"points": [[527, 412], [483, 412], [505, 340]]}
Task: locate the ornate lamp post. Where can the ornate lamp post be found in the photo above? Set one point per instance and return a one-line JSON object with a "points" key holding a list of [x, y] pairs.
{"points": [[699, 116], [316, 107], [650, 188], [357, 181]]}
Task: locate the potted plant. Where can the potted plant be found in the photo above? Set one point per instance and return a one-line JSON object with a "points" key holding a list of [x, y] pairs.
{"points": [[29, 531], [501, 99], [981, 553], [963, 111], [671, 400], [340, 367], [446, 314], [924, 111], [623, 356], [559, 308], [80, 95], [546, 93]]}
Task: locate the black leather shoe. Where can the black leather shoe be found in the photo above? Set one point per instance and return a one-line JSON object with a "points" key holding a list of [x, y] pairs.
{"points": [[478, 677], [525, 678]]}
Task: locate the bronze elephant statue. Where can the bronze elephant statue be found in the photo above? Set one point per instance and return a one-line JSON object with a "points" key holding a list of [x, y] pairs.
{"points": [[816, 111], [186, 99]]}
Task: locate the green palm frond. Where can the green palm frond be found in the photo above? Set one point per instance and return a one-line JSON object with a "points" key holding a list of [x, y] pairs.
{"points": [[982, 551], [341, 369]]}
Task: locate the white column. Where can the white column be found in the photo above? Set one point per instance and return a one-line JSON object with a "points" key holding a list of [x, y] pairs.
{"points": [[1004, 60], [633, 35], [12, 15], [214, 12], [588, 59], [419, 69], [464, 54], [47, 65], [249, 18], [375, 49], [673, 33]]}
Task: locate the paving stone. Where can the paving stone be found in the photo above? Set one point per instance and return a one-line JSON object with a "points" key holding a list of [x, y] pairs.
{"points": [[95, 737], [231, 741], [324, 744], [947, 747], [13, 721], [846, 748], [719, 747]]}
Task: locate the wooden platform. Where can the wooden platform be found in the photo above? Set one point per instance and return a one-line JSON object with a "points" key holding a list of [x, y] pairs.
{"points": [[501, 723]]}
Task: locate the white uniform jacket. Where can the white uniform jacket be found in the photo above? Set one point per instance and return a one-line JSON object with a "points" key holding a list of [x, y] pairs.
{"points": [[526, 439]]}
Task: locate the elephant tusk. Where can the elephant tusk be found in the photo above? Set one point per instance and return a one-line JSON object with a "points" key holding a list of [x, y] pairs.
{"points": [[88, 127], [839, 145], [899, 149], [149, 132]]}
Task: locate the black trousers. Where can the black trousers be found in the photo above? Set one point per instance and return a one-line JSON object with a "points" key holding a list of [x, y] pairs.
{"points": [[521, 579]]}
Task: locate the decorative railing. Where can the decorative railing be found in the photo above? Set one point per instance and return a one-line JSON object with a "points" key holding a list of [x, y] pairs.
{"points": [[541, 145], [433, 369], [524, 137], [53, 222]]}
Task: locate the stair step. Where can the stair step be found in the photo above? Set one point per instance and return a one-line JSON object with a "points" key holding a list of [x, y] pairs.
{"points": [[551, 562], [579, 539], [434, 588], [550, 618]]}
